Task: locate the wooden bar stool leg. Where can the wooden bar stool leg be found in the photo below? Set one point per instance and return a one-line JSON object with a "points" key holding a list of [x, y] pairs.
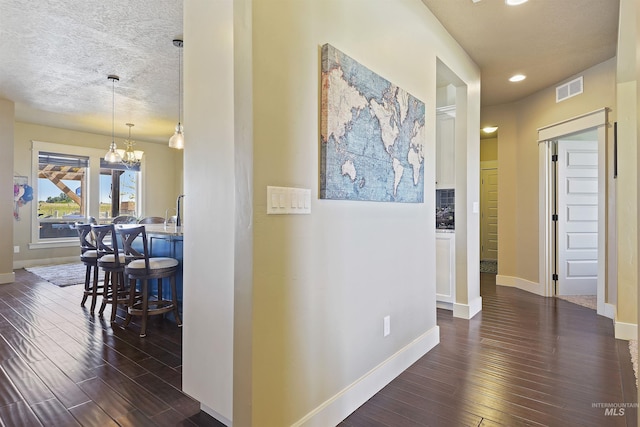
{"points": [[115, 284], [87, 285], [105, 295], [145, 307], [94, 293], [132, 300]]}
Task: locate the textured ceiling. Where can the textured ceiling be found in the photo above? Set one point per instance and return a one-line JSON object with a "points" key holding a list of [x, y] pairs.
{"points": [[56, 56], [547, 40]]}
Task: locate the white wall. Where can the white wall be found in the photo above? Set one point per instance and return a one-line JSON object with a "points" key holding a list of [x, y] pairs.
{"points": [[209, 201], [320, 284]]}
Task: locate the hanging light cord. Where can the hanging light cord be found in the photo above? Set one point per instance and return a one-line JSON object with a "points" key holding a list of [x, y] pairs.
{"points": [[113, 109], [180, 87]]}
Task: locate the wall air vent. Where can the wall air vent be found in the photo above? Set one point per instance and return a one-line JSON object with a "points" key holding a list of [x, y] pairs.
{"points": [[569, 89]]}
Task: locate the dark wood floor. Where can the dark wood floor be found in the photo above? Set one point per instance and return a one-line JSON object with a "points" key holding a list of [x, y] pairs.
{"points": [[524, 360], [60, 366]]}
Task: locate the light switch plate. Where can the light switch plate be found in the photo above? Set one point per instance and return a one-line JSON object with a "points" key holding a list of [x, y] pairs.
{"points": [[288, 201]]}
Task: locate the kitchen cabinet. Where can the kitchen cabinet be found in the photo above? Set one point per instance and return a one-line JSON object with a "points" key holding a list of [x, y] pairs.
{"points": [[445, 147], [445, 269]]}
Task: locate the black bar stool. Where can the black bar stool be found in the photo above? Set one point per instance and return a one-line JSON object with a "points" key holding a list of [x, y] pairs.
{"points": [[141, 266]]}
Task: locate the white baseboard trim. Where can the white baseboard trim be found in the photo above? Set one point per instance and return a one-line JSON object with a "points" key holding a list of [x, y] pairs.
{"points": [[467, 311], [47, 261], [338, 407], [7, 278], [216, 415], [609, 310], [626, 331], [516, 282], [444, 305]]}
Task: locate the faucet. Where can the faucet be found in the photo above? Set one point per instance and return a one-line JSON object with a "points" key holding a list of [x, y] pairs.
{"points": [[178, 219]]}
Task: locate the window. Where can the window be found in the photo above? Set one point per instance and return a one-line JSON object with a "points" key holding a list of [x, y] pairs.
{"points": [[61, 193], [74, 184], [119, 190]]}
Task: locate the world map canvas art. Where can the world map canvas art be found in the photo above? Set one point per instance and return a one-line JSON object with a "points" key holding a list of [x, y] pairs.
{"points": [[372, 135]]}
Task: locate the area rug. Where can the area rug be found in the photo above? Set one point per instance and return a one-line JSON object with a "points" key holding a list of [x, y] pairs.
{"points": [[62, 274], [489, 266], [588, 301]]}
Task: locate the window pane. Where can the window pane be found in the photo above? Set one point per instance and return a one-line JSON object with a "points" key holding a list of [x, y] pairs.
{"points": [[61, 194], [126, 199], [128, 193]]}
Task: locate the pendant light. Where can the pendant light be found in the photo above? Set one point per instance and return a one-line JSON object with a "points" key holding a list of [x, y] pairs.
{"points": [[177, 140], [112, 155], [130, 158]]}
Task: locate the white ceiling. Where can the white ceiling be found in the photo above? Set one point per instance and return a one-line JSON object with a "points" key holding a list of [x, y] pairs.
{"points": [[547, 40], [57, 54]]}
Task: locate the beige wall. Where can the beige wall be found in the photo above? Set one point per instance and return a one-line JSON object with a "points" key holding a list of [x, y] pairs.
{"points": [[162, 172], [324, 282], [518, 153], [314, 288], [488, 149], [7, 113]]}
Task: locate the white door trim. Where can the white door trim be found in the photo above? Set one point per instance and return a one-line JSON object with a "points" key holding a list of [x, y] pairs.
{"points": [[595, 119]]}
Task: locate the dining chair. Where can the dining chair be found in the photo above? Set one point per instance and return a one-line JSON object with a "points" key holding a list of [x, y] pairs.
{"points": [[124, 219], [151, 220], [144, 268]]}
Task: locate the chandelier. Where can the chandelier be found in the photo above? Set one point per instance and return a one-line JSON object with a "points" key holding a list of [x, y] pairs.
{"points": [[130, 157]]}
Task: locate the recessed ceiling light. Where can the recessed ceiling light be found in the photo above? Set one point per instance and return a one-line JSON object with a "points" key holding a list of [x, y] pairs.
{"points": [[489, 129], [514, 2], [517, 78]]}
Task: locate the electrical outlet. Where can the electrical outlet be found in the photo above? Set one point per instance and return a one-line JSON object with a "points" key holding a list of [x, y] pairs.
{"points": [[386, 326], [16, 249]]}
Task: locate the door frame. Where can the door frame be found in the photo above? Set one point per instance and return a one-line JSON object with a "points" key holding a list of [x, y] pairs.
{"points": [[593, 120]]}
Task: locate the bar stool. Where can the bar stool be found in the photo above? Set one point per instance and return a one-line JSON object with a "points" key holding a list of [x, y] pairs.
{"points": [[89, 257], [112, 262], [142, 267]]}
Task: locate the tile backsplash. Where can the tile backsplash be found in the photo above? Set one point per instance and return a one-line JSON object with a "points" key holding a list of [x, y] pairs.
{"points": [[445, 209]]}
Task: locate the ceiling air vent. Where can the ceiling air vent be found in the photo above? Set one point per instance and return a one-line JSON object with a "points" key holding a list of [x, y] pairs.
{"points": [[567, 90]]}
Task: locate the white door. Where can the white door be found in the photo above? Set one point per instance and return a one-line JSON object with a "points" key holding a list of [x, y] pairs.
{"points": [[577, 198], [489, 214]]}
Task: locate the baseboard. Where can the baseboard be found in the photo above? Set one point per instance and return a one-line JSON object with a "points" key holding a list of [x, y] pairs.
{"points": [[625, 331], [7, 278], [216, 415], [516, 282], [338, 407], [47, 261], [444, 305], [467, 311]]}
